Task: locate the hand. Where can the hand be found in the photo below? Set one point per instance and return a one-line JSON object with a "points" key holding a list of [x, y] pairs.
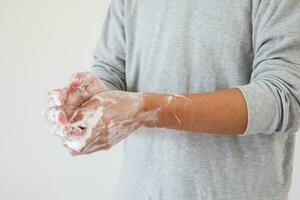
{"points": [[63, 102], [105, 120]]}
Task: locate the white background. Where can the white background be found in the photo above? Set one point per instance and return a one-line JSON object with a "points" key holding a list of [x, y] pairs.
{"points": [[41, 44]]}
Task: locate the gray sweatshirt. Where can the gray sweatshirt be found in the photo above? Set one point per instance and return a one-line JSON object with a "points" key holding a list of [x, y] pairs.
{"points": [[184, 46]]}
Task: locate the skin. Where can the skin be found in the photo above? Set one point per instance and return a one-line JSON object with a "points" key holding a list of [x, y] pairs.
{"points": [[221, 112], [217, 112], [122, 114], [70, 98]]}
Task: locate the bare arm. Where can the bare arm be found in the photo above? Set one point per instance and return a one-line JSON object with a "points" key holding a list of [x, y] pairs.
{"points": [[218, 112]]}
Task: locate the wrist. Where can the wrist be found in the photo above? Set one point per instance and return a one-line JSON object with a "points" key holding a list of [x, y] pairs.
{"points": [[154, 102]]}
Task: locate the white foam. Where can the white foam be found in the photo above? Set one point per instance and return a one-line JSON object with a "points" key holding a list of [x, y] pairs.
{"points": [[89, 121], [54, 99]]}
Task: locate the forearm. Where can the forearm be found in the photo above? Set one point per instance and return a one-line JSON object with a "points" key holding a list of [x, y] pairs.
{"points": [[218, 112]]}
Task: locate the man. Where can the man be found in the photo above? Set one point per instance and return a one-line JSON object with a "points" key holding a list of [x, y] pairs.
{"points": [[204, 94]]}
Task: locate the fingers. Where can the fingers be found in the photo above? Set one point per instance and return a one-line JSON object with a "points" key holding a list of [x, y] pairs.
{"points": [[82, 87], [97, 148], [61, 130], [98, 138], [64, 112], [89, 150], [88, 82], [74, 94], [76, 132], [64, 103], [54, 115], [81, 79], [72, 146], [73, 102], [96, 141], [87, 123], [57, 97], [58, 119], [64, 100]]}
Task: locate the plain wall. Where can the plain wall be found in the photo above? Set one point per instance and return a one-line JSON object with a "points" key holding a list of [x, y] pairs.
{"points": [[41, 44]]}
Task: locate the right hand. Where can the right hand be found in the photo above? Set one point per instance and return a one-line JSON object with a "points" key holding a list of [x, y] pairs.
{"points": [[64, 101], [106, 119]]}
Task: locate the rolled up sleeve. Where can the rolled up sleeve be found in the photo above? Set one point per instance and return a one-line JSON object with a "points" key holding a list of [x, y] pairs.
{"points": [[273, 93]]}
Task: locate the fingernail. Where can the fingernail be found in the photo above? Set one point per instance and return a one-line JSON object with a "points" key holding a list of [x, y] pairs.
{"points": [[61, 117], [53, 116], [76, 133]]}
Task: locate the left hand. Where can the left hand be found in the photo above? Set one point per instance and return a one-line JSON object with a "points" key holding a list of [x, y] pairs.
{"points": [[105, 120], [64, 101]]}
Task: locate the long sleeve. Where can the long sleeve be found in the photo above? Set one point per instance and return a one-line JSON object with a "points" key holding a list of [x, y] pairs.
{"points": [[109, 55], [273, 94]]}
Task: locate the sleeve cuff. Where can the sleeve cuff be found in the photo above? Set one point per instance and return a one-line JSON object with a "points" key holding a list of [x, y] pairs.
{"points": [[262, 108], [107, 83]]}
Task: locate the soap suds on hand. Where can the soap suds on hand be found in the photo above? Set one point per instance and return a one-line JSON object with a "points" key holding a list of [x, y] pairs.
{"points": [[89, 121]]}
